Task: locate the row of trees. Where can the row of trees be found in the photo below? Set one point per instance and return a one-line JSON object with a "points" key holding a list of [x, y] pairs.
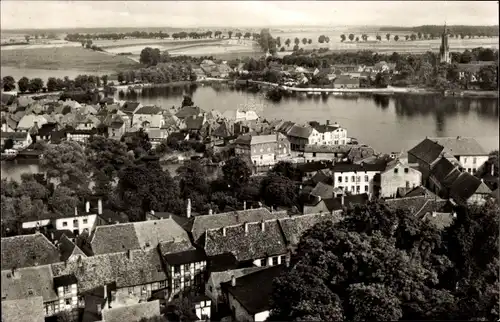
{"points": [[470, 31], [81, 82], [160, 74]]}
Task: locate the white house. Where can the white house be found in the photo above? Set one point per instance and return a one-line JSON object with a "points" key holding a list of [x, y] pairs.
{"points": [[148, 117], [20, 140], [399, 174], [466, 150], [357, 178], [329, 135]]}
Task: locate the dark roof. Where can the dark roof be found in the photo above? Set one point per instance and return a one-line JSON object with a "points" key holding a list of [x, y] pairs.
{"points": [[427, 151], [285, 127], [294, 227], [187, 111], [150, 110], [313, 148], [194, 122], [352, 200], [47, 128], [314, 166], [222, 262], [113, 217], [442, 169], [223, 130], [253, 244], [467, 185], [253, 291], [351, 167], [321, 177], [322, 190], [65, 280], [413, 204], [130, 107], [68, 248], [325, 128], [185, 257], [28, 250], [177, 135], [8, 99], [420, 191], [300, 131]]}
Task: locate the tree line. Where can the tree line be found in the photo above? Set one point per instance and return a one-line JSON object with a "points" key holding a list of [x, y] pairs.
{"points": [[470, 31]]}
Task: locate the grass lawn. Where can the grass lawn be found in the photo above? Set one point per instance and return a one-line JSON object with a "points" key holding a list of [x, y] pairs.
{"points": [[76, 58]]}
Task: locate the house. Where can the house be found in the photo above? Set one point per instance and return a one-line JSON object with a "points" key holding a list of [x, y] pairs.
{"points": [[200, 75], [325, 191], [299, 136], [329, 134], [8, 124], [442, 176], [240, 115], [427, 153], [20, 140], [248, 296], [466, 150], [224, 70], [223, 131], [310, 169], [358, 178], [45, 132], [398, 174], [79, 135], [28, 251], [117, 127], [156, 136], [262, 149], [194, 123], [30, 309], [419, 191], [148, 116], [132, 313], [130, 108], [30, 120], [252, 243], [467, 189], [471, 70], [294, 227], [57, 293], [346, 82], [87, 122], [188, 111], [326, 152], [215, 279], [334, 205]]}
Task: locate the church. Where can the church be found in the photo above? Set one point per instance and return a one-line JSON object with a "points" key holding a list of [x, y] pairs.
{"points": [[444, 49]]}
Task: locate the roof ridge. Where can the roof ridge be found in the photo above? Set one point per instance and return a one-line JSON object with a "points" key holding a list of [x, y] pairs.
{"points": [[425, 204]]}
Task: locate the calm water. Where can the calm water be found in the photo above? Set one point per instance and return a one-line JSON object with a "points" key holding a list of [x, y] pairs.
{"points": [[386, 123]]}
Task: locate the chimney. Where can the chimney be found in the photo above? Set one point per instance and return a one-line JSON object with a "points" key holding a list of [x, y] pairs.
{"points": [[87, 207], [342, 199], [105, 291], [327, 122], [129, 254], [188, 209], [99, 206], [224, 231], [246, 228], [210, 212], [244, 205], [233, 281], [76, 212], [263, 226]]}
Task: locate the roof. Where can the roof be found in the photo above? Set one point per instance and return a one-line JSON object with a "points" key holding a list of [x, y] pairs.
{"points": [[350, 167], [439, 219], [461, 146], [284, 127], [216, 221], [23, 310], [128, 236], [314, 166], [320, 176], [322, 190], [427, 151], [187, 111], [130, 107], [420, 191], [325, 128], [14, 136], [253, 291], [28, 250], [443, 169], [294, 227], [260, 139], [194, 122], [132, 313], [254, 244], [156, 133], [47, 129], [149, 110], [474, 67], [225, 276], [192, 255], [67, 248], [300, 131], [312, 148], [414, 204], [223, 130], [467, 185], [28, 282], [135, 267], [65, 280]]}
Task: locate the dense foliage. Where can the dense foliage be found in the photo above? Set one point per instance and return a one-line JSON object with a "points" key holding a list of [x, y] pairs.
{"points": [[382, 264]]}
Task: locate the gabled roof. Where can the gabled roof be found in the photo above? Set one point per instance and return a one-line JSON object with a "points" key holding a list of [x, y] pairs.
{"points": [[247, 245], [187, 111], [27, 251], [421, 191], [462, 146], [194, 122], [29, 282], [67, 248], [467, 185], [216, 221], [130, 107], [132, 313], [414, 204], [223, 130], [300, 131], [123, 237], [149, 110], [325, 128], [427, 151], [260, 139], [253, 291], [24, 310], [285, 126], [225, 276], [443, 169], [322, 190], [312, 148], [294, 227]]}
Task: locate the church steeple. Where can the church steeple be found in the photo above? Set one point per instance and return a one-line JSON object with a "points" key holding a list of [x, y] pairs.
{"points": [[444, 49]]}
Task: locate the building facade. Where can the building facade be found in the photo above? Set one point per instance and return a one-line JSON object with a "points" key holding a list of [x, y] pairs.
{"points": [[398, 174]]}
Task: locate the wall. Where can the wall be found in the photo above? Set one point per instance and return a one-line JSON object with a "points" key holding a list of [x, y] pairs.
{"points": [[268, 261], [297, 144], [203, 309], [240, 314], [476, 198], [78, 137], [468, 163], [33, 224], [391, 181], [185, 276], [363, 179], [71, 296], [81, 224], [136, 293], [336, 137], [262, 316]]}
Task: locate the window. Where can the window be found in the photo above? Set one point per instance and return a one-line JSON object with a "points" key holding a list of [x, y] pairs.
{"points": [[130, 290], [346, 179], [336, 142], [358, 189], [340, 179], [367, 179], [358, 178], [314, 154], [163, 284], [474, 160], [340, 187], [352, 188], [177, 284], [473, 170], [85, 221], [65, 224], [353, 178], [68, 301], [366, 188], [465, 160], [263, 262], [177, 269], [187, 267], [66, 289], [395, 170], [75, 222], [275, 261], [469, 170]]}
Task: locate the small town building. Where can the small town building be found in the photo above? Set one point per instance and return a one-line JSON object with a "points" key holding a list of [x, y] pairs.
{"points": [[358, 178], [399, 174]]}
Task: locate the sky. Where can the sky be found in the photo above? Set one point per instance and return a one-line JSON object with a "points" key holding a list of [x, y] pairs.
{"points": [[94, 14]]}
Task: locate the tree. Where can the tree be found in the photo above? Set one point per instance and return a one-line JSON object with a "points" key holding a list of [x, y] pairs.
{"points": [[23, 84], [35, 85], [296, 40], [388, 37], [396, 38], [52, 84], [230, 34], [357, 39], [104, 80], [63, 200], [379, 38], [351, 37], [309, 41], [287, 169], [413, 37], [236, 172], [296, 48], [138, 142], [407, 37], [488, 77], [192, 182], [321, 39], [304, 41], [327, 39], [288, 42], [278, 190], [342, 38], [150, 56], [364, 37], [282, 49], [187, 101], [9, 84], [238, 35]]}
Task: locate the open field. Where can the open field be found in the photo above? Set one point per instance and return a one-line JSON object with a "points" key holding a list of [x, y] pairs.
{"points": [[72, 58], [148, 42]]}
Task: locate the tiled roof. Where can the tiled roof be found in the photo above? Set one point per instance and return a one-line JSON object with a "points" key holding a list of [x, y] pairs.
{"points": [[172, 247], [149, 110], [122, 237], [294, 227], [192, 255], [222, 130], [427, 150], [253, 291], [130, 107], [442, 169], [321, 177], [420, 191], [28, 250], [194, 122], [23, 310], [28, 282], [350, 167], [65, 280], [284, 127], [311, 148], [440, 219], [437, 205], [47, 129], [136, 267], [461, 146], [187, 111], [322, 190], [300, 131], [325, 128], [157, 133], [225, 276], [414, 204], [467, 185], [259, 139], [254, 244], [132, 313], [217, 221], [360, 152], [67, 248], [314, 166]]}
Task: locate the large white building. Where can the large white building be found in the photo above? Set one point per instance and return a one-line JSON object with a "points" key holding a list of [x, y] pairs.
{"points": [[357, 178]]}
